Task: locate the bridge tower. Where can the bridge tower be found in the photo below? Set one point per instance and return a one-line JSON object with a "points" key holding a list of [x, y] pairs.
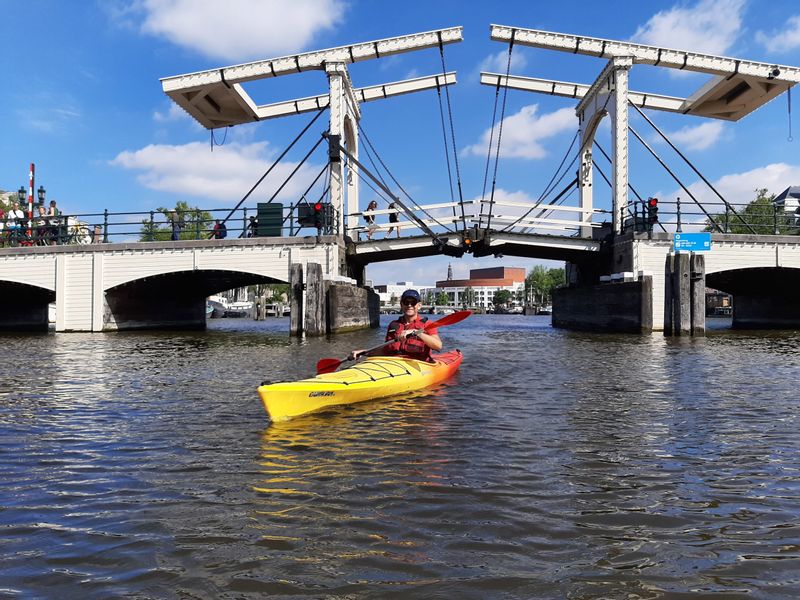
{"points": [[737, 88], [216, 97]]}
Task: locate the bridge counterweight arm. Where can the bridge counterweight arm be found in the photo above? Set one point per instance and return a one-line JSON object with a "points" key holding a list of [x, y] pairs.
{"points": [[566, 89], [365, 94], [316, 60], [644, 54]]}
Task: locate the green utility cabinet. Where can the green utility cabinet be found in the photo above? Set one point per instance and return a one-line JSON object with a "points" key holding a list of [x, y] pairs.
{"points": [[269, 219]]}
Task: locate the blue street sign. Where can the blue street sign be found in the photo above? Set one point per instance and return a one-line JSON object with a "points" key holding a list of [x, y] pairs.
{"points": [[691, 242]]}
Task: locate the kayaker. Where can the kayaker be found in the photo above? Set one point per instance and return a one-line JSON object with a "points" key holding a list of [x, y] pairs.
{"points": [[407, 333]]}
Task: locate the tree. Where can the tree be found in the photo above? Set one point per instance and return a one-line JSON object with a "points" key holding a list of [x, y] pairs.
{"points": [[196, 224], [427, 297], [540, 283], [761, 215], [501, 298], [442, 299], [468, 297]]}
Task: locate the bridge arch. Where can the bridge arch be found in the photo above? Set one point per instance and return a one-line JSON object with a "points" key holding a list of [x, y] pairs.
{"points": [[172, 300], [763, 297], [23, 306]]}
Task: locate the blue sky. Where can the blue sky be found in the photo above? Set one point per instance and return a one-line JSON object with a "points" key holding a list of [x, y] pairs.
{"points": [[82, 98]]}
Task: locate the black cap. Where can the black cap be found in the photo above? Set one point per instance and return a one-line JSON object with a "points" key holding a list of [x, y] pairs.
{"points": [[411, 294]]}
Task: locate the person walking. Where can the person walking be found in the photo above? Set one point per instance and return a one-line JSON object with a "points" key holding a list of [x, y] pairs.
{"points": [[393, 218], [370, 219], [220, 230], [176, 223]]}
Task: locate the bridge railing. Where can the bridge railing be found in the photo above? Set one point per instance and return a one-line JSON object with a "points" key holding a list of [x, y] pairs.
{"points": [[765, 218], [527, 217], [522, 217], [148, 226], [440, 217]]}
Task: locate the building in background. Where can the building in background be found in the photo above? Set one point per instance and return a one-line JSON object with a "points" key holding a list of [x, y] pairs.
{"points": [[788, 202], [480, 288], [390, 293]]}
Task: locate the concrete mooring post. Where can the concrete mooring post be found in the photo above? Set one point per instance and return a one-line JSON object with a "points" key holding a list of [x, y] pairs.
{"points": [[684, 294]]}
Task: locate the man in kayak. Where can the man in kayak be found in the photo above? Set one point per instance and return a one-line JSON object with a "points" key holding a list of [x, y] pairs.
{"points": [[407, 335]]}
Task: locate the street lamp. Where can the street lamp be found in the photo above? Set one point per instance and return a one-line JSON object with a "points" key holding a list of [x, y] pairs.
{"points": [[22, 195], [40, 193]]}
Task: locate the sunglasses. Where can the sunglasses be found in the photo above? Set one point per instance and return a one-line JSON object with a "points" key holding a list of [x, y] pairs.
{"points": [[409, 302]]}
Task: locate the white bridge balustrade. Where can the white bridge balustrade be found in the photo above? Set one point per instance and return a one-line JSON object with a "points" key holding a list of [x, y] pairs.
{"points": [[522, 217], [106, 287]]}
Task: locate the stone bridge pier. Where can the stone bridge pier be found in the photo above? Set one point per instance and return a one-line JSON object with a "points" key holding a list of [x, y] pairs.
{"points": [[624, 287]]}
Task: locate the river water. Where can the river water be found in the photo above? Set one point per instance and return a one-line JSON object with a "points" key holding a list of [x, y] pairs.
{"points": [[555, 465]]}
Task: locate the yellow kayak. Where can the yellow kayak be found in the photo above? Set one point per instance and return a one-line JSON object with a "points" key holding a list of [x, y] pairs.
{"points": [[375, 377]]}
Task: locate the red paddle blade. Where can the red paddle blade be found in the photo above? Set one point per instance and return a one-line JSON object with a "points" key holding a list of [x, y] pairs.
{"points": [[328, 365], [449, 319]]}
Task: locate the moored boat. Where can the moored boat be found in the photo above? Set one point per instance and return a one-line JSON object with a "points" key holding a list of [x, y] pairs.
{"points": [[239, 309], [376, 377]]}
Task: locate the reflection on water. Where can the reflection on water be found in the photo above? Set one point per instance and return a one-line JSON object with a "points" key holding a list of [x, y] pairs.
{"points": [[555, 465]]}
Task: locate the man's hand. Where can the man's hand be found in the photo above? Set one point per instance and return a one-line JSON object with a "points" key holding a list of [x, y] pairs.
{"points": [[409, 332], [354, 354]]}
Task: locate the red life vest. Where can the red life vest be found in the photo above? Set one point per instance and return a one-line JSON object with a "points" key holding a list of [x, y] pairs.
{"points": [[412, 346]]}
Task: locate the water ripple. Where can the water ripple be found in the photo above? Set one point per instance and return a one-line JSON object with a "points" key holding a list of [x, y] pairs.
{"points": [[555, 465]]}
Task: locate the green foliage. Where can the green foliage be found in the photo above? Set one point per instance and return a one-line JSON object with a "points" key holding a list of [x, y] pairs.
{"points": [[540, 283], [468, 297], [761, 215], [427, 297], [196, 223], [442, 299], [501, 297]]}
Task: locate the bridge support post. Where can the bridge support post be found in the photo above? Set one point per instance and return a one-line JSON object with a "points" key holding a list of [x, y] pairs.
{"points": [[314, 314], [698, 277], [684, 295], [296, 299]]}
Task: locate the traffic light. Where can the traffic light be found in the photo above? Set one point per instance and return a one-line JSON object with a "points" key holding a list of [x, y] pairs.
{"points": [[306, 215], [317, 215], [318, 220], [652, 211]]}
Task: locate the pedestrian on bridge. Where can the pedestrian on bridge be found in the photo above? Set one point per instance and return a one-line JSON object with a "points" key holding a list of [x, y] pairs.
{"points": [[176, 223], [57, 229], [220, 230], [14, 221], [370, 219], [393, 218]]}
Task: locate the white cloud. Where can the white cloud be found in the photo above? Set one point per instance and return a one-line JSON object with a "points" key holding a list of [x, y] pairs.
{"points": [[239, 30], [498, 63], [739, 189], [225, 174], [524, 132], [782, 41], [698, 137], [173, 113], [711, 26], [48, 119]]}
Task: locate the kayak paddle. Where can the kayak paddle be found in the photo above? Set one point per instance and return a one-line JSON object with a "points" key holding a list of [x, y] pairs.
{"points": [[328, 365]]}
